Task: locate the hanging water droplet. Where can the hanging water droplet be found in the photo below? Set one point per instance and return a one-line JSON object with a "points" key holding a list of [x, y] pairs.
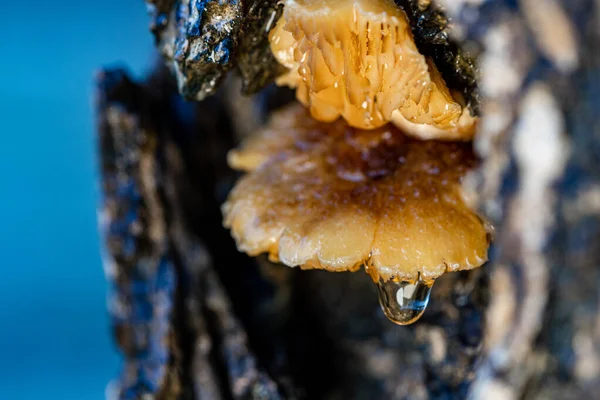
{"points": [[404, 302]]}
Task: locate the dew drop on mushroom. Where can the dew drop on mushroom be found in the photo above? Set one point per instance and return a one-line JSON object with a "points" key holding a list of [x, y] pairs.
{"points": [[403, 302]]}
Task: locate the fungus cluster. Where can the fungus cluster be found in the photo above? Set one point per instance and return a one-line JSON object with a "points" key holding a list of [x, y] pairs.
{"points": [[350, 177]]}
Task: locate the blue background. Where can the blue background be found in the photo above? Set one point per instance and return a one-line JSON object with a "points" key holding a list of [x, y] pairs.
{"points": [[55, 338]]}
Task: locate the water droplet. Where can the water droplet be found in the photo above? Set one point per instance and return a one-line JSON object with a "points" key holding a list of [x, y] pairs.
{"points": [[404, 302]]}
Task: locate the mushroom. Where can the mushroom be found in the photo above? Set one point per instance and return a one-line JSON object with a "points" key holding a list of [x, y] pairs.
{"points": [[329, 196], [358, 59]]}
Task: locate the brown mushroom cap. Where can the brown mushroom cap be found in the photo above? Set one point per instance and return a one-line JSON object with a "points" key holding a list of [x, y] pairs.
{"points": [[326, 195], [358, 59]]}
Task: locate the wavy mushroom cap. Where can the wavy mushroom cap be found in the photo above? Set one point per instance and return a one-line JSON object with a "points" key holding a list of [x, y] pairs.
{"points": [[329, 196], [358, 59]]}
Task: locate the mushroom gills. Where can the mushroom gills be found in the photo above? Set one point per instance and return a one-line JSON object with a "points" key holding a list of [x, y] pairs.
{"points": [[358, 60]]}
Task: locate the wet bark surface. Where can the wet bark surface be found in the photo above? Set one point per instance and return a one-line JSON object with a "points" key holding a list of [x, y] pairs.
{"points": [[202, 40], [195, 319]]}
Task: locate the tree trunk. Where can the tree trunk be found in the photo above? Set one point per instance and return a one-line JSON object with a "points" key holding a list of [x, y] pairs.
{"points": [[195, 319]]}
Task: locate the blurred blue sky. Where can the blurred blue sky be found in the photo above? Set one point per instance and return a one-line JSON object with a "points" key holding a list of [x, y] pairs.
{"points": [[54, 330]]}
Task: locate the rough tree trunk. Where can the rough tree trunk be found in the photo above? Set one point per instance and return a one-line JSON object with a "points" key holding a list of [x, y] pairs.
{"points": [[539, 183], [196, 319]]}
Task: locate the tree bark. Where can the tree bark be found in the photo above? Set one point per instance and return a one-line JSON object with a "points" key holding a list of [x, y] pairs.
{"points": [[538, 183]]}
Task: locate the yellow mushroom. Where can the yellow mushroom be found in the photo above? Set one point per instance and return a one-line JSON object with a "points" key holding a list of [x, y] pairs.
{"points": [[329, 196], [357, 59]]}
